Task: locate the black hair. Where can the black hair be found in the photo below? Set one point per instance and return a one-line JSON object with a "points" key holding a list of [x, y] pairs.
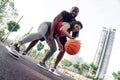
{"points": [[76, 7], [72, 24]]}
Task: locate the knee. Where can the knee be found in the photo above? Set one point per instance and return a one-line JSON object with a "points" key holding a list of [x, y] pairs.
{"points": [[41, 35], [54, 49]]}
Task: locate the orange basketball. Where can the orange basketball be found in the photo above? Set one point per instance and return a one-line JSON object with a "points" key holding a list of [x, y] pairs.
{"points": [[72, 46]]}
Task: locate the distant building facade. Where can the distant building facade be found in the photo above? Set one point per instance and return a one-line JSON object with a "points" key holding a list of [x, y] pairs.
{"points": [[103, 52], [74, 59]]}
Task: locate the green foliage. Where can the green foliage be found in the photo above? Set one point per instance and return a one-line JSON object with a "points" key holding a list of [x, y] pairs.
{"points": [[7, 11], [12, 4], [13, 26], [37, 55], [93, 69], [85, 66], [116, 75], [66, 63], [91, 77], [40, 46], [0, 19], [2, 4], [2, 33], [2, 10], [32, 53], [78, 67]]}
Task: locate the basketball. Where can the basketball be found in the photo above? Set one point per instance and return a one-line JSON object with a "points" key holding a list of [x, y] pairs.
{"points": [[72, 46]]}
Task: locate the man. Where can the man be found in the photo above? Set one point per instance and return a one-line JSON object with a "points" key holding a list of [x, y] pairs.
{"points": [[64, 16]]}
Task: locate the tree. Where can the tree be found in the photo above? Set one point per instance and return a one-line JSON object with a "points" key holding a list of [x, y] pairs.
{"points": [[12, 26], [2, 3], [85, 66], [116, 75], [2, 33], [93, 69], [7, 11], [40, 46], [66, 63], [78, 67]]}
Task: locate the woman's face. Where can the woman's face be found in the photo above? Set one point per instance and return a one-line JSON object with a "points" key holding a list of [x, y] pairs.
{"points": [[76, 28]]}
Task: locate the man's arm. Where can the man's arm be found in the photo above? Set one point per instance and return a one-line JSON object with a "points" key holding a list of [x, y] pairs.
{"points": [[59, 43], [54, 23], [58, 18]]}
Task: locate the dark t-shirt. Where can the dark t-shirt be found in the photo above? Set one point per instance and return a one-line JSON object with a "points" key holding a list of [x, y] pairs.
{"points": [[67, 17]]}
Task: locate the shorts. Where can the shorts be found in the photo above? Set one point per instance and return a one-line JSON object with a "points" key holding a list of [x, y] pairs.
{"points": [[63, 40]]}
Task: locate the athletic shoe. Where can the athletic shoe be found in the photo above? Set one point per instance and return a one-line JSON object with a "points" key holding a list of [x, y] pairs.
{"points": [[53, 70], [15, 49], [24, 53], [42, 65]]}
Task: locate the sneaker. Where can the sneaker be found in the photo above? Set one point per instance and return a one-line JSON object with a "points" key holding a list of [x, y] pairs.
{"points": [[42, 65], [24, 53], [14, 48], [53, 70]]}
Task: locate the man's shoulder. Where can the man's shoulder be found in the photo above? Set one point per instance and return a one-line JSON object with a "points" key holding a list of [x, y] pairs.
{"points": [[64, 11]]}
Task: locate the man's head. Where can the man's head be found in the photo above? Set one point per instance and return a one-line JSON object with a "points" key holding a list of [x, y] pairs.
{"points": [[74, 11]]}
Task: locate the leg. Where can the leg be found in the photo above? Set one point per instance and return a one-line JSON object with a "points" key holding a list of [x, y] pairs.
{"points": [[59, 57], [53, 48], [31, 45], [61, 54], [42, 30]]}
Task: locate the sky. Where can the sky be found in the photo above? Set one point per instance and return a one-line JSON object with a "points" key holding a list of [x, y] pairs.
{"points": [[94, 15]]}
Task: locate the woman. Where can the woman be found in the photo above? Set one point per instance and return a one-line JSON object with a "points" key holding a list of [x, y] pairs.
{"points": [[63, 29]]}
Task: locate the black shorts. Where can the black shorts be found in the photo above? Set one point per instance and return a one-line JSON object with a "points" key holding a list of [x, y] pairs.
{"points": [[63, 40], [42, 39]]}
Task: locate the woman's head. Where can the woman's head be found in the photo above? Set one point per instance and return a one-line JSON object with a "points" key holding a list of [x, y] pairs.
{"points": [[75, 27]]}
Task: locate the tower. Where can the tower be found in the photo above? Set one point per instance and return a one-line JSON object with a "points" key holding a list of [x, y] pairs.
{"points": [[103, 52]]}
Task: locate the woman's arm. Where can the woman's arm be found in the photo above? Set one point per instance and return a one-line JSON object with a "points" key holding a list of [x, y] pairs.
{"points": [[64, 30]]}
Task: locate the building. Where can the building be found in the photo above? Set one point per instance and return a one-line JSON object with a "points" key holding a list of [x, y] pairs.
{"points": [[103, 52]]}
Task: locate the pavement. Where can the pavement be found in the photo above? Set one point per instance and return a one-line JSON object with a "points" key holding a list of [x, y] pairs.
{"points": [[23, 68]]}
